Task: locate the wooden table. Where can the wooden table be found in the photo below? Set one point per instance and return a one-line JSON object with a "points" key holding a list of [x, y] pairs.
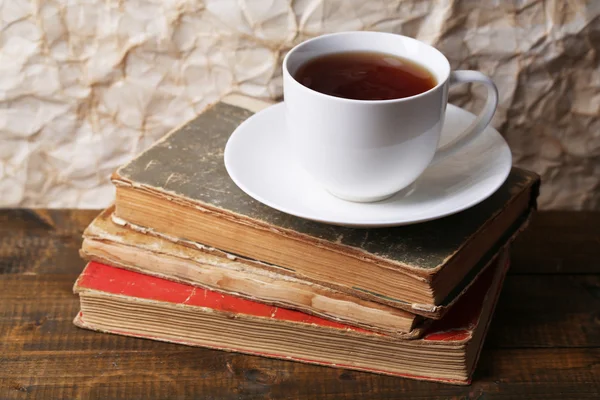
{"points": [[544, 341]]}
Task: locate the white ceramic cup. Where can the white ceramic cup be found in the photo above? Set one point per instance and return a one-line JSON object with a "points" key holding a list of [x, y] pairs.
{"points": [[368, 150]]}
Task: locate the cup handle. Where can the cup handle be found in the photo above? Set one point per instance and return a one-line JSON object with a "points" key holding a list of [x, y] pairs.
{"points": [[482, 120]]}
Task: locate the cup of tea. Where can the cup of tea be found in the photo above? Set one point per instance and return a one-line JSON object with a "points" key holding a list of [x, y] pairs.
{"points": [[365, 110]]}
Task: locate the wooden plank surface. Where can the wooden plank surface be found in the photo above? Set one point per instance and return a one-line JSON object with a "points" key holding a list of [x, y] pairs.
{"points": [[544, 341], [559, 243]]}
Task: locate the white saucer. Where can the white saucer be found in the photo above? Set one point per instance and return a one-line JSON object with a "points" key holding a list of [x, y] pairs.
{"points": [[259, 162]]}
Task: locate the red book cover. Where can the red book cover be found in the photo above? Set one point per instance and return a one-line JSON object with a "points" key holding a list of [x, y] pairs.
{"points": [[466, 323]]}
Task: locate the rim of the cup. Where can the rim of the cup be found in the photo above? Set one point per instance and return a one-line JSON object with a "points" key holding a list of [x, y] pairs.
{"points": [[440, 83]]}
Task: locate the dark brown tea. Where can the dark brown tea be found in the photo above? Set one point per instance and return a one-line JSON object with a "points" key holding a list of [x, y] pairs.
{"points": [[365, 76]]}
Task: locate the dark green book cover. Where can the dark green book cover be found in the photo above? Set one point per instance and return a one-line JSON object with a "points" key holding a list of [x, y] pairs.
{"points": [[187, 166]]}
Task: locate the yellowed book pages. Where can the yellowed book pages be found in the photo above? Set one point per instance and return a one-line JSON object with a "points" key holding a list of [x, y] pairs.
{"points": [[130, 247], [128, 303]]}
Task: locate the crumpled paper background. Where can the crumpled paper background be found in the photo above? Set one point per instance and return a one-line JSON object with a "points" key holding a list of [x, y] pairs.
{"points": [[85, 85]]}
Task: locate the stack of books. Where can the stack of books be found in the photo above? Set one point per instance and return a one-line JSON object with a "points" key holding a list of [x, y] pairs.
{"points": [[185, 256]]}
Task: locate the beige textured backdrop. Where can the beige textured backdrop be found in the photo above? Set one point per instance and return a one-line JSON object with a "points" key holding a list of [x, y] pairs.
{"points": [[86, 84]]}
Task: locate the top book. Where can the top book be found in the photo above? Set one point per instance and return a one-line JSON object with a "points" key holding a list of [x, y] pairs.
{"points": [[179, 188]]}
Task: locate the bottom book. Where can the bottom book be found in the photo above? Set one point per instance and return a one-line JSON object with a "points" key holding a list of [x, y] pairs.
{"points": [[119, 301]]}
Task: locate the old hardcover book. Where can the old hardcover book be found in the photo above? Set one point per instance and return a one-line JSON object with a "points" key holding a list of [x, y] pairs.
{"points": [[180, 187], [124, 302], [211, 268]]}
